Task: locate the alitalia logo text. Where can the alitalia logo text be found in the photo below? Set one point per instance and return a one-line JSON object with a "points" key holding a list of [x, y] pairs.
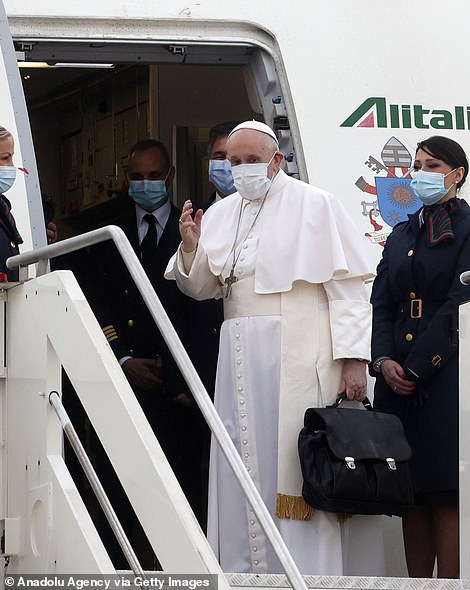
{"points": [[377, 112]]}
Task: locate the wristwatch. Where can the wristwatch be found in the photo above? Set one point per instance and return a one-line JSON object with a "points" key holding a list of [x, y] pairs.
{"points": [[378, 363]]}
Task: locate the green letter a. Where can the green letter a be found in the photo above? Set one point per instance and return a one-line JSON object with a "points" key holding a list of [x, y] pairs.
{"points": [[358, 114]]}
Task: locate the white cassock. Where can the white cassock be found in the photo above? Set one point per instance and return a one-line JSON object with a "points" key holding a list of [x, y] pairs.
{"points": [[298, 307]]}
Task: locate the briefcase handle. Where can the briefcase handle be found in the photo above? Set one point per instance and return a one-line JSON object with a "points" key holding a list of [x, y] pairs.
{"points": [[342, 397]]}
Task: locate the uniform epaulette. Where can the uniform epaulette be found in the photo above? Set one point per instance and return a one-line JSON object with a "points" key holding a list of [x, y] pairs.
{"points": [[110, 333]]}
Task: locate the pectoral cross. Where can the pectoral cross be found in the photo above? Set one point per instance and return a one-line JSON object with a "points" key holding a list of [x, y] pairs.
{"points": [[229, 282]]}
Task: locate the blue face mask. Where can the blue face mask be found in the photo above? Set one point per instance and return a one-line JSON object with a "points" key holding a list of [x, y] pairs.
{"points": [[429, 187], [220, 174], [7, 177], [148, 194]]}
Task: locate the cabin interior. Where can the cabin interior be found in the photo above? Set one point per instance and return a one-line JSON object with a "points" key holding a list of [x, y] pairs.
{"points": [[89, 103]]}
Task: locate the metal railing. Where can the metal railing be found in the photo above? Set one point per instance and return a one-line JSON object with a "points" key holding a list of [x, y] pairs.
{"points": [[67, 426], [184, 363]]}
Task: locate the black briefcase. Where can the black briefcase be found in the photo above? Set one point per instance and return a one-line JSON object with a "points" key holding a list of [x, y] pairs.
{"points": [[355, 461]]}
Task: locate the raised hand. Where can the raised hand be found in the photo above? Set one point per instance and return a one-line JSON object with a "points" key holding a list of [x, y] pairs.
{"points": [[190, 229]]}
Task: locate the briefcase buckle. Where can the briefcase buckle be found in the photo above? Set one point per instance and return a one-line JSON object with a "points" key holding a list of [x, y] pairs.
{"points": [[416, 308], [350, 464], [391, 464]]}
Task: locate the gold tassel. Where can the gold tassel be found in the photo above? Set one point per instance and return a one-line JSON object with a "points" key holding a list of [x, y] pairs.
{"points": [[294, 507], [343, 517]]}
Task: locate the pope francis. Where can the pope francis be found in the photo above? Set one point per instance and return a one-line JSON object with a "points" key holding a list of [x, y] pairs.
{"points": [[290, 267]]}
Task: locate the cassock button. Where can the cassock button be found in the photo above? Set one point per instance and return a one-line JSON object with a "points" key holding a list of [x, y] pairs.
{"points": [[412, 295], [256, 562], [409, 337], [130, 323], [410, 252]]}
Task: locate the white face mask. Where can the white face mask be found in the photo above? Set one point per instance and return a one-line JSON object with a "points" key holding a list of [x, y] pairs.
{"points": [[251, 180]]}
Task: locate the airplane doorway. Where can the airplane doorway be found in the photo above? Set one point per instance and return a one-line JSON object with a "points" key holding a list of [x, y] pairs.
{"points": [[86, 115]]}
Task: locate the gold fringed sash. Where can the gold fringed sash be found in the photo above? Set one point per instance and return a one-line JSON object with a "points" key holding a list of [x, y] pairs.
{"points": [[306, 366], [293, 507]]}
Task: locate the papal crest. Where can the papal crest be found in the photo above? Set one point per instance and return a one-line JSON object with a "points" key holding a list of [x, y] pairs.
{"points": [[395, 199]]}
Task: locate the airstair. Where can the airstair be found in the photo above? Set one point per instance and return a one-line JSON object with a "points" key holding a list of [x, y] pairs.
{"points": [[46, 529]]}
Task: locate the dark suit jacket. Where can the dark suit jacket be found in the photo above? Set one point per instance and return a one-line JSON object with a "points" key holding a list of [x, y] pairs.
{"points": [[129, 327], [131, 331], [210, 201], [415, 298]]}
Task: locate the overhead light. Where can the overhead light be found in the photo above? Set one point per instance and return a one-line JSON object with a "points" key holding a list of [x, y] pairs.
{"points": [[91, 66], [33, 64], [43, 64]]}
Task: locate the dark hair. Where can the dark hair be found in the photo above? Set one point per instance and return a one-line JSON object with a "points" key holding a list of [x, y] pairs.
{"points": [[447, 150], [220, 130], [145, 145]]}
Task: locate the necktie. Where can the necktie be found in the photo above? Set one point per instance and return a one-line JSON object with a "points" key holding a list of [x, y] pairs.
{"points": [[148, 247]]}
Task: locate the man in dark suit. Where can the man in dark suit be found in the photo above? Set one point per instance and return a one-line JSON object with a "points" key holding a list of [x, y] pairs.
{"points": [[151, 225], [220, 170]]}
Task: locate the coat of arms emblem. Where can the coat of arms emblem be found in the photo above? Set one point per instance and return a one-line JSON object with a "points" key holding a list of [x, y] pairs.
{"points": [[394, 198]]}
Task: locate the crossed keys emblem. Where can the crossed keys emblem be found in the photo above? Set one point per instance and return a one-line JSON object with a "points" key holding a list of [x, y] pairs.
{"points": [[395, 200]]}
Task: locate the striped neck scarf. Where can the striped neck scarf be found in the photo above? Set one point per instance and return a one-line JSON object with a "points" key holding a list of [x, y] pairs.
{"points": [[9, 220], [438, 222]]}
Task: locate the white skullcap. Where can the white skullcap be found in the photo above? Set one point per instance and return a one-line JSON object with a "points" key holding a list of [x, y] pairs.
{"points": [[256, 126]]}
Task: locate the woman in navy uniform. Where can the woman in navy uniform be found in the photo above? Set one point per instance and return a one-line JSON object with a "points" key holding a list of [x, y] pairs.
{"points": [[9, 236], [415, 298]]}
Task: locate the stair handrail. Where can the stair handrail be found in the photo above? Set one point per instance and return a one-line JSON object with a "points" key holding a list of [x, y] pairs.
{"points": [[202, 398]]}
